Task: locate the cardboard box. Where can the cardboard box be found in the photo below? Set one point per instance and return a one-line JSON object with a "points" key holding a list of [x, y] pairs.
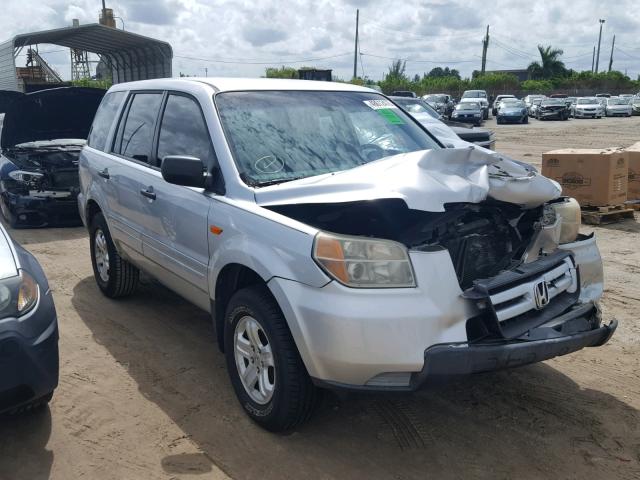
{"points": [[633, 159], [594, 177]]}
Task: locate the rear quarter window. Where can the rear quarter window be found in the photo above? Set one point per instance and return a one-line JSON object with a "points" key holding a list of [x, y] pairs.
{"points": [[105, 116]]}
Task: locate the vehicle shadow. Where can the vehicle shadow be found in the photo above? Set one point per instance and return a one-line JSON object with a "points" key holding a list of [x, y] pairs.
{"points": [[23, 441], [532, 422]]}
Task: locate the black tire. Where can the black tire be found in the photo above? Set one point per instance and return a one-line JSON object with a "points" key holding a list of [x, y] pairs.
{"points": [[294, 395], [122, 277], [31, 407], [525, 120]]}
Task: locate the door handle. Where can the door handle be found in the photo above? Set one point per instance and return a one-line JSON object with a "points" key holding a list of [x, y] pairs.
{"points": [[105, 173], [149, 193]]}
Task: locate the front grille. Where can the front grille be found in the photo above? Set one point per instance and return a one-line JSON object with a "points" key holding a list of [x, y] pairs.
{"points": [[511, 302], [517, 300]]}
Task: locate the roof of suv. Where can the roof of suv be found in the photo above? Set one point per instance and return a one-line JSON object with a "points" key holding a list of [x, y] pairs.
{"points": [[225, 84]]}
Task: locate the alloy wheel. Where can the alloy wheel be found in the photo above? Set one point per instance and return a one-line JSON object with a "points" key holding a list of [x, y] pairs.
{"points": [[101, 255], [254, 360]]}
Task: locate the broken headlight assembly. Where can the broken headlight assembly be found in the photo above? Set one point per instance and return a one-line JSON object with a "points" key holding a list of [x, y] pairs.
{"points": [[18, 295], [364, 262], [26, 177], [568, 211]]}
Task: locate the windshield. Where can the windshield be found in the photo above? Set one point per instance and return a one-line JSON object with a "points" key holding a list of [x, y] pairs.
{"points": [[587, 101], [277, 136], [474, 94], [553, 101], [416, 106], [437, 98], [468, 106], [618, 101], [513, 103]]}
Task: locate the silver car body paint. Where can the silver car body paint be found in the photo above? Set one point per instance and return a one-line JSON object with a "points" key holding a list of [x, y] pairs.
{"points": [[425, 180], [344, 335]]}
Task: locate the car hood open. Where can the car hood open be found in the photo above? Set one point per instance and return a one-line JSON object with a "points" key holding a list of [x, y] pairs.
{"points": [[55, 113], [426, 180]]}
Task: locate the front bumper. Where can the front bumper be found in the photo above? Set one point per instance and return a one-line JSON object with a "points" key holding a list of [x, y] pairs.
{"points": [[587, 114], [555, 114], [444, 361], [27, 211], [376, 339], [511, 118], [28, 367]]}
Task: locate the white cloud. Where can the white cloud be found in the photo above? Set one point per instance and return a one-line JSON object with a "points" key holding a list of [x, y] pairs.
{"points": [[279, 32]]}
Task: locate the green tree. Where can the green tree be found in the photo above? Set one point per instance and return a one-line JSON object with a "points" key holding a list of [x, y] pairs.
{"points": [[282, 72], [549, 65]]}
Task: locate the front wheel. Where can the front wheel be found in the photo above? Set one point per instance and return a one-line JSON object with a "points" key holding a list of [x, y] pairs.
{"points": [[266, 371], [525, 120], [115, 276]]}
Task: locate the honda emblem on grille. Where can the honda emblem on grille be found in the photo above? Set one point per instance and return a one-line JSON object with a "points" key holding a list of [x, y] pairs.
{"points": [[541, 294]]}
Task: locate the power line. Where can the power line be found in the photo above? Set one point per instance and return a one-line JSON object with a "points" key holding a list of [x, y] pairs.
{"points": [[411, 60], [625, 53], [270, 62]]}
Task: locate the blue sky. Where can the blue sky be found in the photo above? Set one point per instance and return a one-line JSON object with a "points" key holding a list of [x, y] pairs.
{"points": [[241, 38]]}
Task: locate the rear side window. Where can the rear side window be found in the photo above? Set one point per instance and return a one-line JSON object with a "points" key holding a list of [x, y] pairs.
{"points": [[104, 118], [136, 135], [183, 131]]}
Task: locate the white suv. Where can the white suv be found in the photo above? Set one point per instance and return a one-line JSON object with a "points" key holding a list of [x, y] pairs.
{"points": [[334, 241]]}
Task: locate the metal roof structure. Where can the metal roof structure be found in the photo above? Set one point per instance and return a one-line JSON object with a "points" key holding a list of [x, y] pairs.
{"points": [[130, 56]]}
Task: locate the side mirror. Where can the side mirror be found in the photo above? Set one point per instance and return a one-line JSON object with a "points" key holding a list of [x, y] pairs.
{"points": [[183, 170]]}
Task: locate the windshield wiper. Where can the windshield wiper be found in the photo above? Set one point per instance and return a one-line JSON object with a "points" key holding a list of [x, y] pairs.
{"points": [[277, 181]]}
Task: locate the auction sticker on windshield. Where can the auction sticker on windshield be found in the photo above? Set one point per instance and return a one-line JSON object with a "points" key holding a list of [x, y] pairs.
{"points": [[386, 109]]}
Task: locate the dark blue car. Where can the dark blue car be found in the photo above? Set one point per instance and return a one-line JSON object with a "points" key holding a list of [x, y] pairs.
{"points": [[28, 331]]}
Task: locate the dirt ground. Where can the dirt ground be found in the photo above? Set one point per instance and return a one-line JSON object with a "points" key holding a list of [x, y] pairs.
{"points": [[144, 393]]}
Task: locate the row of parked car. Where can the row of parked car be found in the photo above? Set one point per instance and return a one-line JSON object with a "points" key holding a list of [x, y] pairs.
{"points": [[306, 218], [624, 105]]}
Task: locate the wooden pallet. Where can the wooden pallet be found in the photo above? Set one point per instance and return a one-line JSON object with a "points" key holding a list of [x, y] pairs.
{"points": [[606, 214], [635, 204]]}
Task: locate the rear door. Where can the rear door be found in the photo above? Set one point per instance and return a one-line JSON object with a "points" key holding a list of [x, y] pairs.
{"points": [[132, 154]]}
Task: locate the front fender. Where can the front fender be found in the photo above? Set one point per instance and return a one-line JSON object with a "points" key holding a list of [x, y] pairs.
{"points": [[257, 240]]}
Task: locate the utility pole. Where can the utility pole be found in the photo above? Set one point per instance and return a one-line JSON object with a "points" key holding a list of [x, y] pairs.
{"points": [[613, 44], [599, 40], [355, 53], [485, 45], [593, 59]]}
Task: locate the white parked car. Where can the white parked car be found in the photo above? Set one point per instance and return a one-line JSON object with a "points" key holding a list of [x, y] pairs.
{"points": [[587, 107], [618, 107], [479, 96]]}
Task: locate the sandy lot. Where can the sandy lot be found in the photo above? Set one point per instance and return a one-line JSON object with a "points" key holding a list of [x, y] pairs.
{"points": [[144, 393]]}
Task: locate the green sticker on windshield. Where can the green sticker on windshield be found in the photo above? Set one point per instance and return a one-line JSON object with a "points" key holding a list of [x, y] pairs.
{"points": [[390, 116]]}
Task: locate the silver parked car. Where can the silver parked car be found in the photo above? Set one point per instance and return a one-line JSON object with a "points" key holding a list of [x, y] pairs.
{"points": [[587, 107], [618, 107], [335, 242]]}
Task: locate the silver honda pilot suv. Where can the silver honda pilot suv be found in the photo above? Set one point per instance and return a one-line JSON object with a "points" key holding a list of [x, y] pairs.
{"points": [[333, 239]]}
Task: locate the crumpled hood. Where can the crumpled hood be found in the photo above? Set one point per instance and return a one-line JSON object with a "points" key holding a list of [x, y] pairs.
{"points": [[50, 114], [425, 180]]}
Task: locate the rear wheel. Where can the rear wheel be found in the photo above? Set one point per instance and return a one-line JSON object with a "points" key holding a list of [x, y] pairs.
{"points": [[115, 276], [266, 371]]}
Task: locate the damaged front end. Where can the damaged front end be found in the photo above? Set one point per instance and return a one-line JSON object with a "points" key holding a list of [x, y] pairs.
{"points": [[528, 283], [41, 139], [40, 184]]}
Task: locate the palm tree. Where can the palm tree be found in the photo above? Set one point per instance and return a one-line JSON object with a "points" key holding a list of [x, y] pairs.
{"points": [[549, 66]]}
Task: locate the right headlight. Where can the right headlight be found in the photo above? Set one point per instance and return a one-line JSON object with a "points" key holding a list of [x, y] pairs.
{"points": [[569, 213], [364, 262], [18, 295]]}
